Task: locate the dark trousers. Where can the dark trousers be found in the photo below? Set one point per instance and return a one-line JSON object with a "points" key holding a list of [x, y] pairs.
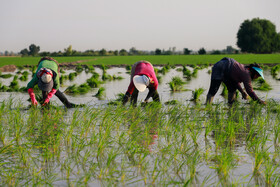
{"points": [[135, 93], [60, 96], [231, 86]]}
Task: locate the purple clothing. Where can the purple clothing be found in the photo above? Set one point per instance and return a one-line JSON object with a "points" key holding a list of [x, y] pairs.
{"points": [[239, 73], [232, 72]]}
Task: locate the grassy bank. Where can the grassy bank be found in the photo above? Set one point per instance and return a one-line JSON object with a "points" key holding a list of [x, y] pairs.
{"points": [[128, 60]]}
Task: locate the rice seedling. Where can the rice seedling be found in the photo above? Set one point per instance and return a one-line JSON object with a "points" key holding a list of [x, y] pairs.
{"points": [[187, 73], [14, 86], [62, 71], [81, 89], [195, 71], [274, 71], [93, 82], [33, 70], [106, 76], [100, 93], [104, 67], [89, 69], [179, 69], [5, 76], [118, 100], [262, 85], [79, 68], [156, 70], [128, 68], [72, 75], [62, 79], [172, 102], [196, 94], [176, 84], [159, 78], [24, 76], [115, 77], [164, 69], [3, 88]]}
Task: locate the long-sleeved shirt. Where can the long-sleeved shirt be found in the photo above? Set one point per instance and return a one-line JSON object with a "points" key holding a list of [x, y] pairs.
{"points": [[239, 73], [50, 65], [143, 68], [228, 68]]}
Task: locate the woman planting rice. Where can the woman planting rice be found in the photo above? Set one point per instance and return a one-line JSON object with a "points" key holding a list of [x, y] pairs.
{"points": [[142, 76], [232, 73], [47, 78]]}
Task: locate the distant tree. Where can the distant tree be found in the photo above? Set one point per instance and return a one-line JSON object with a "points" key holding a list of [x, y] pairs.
{"points": [[76, 53], [116, 52], [168, 52], [6, 53], [216, 52], [34, 50], [258, 36], [133, 51], [102, 52], [230, 50], [123, 52], [45, 53], [89, 52], [24, 52], [157, 52], [187, 51], [202, 51], [68, 51], [173, 50]]}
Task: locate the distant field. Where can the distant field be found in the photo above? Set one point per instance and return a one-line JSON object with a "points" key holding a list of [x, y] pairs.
{"points": [[21, 61], [162, 59]]}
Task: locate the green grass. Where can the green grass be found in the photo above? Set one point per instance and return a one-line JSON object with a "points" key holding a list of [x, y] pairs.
{"points": [[21, 61], [161, 59]]}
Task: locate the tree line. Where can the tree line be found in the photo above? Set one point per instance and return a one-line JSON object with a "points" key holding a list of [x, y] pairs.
{"points": [[254, 36], [34, 50]]}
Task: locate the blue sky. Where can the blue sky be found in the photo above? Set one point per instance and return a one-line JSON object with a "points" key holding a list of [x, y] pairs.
{"points": [[122, 24]]}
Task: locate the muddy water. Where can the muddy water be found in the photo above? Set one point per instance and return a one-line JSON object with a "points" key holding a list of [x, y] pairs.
{"points": [[113, 88]]}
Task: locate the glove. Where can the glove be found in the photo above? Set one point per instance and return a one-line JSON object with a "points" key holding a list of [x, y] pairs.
{"points": [[50, 94], [126, 98], [32, 96]]}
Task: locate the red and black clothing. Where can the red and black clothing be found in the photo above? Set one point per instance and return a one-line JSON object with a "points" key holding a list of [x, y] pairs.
{"points": [[142, 68]]}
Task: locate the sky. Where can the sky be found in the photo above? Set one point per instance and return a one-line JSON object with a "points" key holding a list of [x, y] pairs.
{"points": [[121, 24]]}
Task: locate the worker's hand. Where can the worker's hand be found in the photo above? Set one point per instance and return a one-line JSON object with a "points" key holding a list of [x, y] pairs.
{"points": [[262, 102], [50, 94], [245, 96], [32, 97], [34, 103], [46, 102]]}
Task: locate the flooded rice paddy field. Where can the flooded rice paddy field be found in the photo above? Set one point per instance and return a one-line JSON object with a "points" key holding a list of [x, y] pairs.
{"points": [[186, 144], [115, 87]]}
